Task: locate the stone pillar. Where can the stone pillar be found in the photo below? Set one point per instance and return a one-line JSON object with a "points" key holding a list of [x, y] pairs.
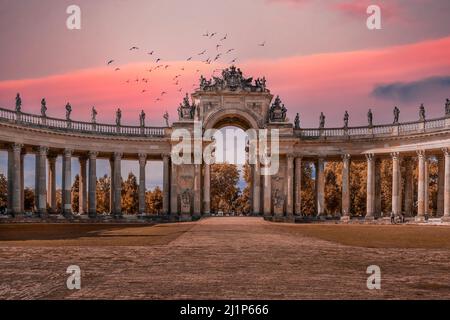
{"points": [[22, 182], [142, 164], [10, 179], [446, 216], [67, 182], [346, 187], [298, 186], [51, 189], [206, 189], [111, 186], [117, 185], [370, 186], [197, 190], [174, 190], [441, 180], [15, 176], [267, 210], [92, 192], [395, 182], [82, 196], [166, 183], [290, 185], [421, 186], [320, 187], [409, 187], [378, 209], [426, 204], [256, 188], [42, 180]]}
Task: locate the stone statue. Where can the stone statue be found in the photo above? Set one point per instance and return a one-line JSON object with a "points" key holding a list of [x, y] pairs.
{"points": [[93, 115], [422, 113], [18, 103], [186, 110], [297, 122], [322, 121], [142, 119], [277, 112], [43, 108], [346, 116], [186, 202], [166, 118], [447, 107], [68, 111], [370, 118], [118, 117], [232, 79], [396, 115]]}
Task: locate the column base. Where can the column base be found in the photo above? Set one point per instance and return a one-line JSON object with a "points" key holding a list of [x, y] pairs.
{"points": [[419, 219], [445, 219], [92, 215], [369, 218], [345, 218]]}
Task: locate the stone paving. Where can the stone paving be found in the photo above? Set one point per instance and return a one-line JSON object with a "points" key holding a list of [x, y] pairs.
{"points": [[223, 258]]}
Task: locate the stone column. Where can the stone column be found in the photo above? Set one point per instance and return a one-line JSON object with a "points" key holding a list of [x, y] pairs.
{"points": [[166, 183], [421, 186], [320, 187], [256, 188], [42, 180], [290, 185], [67, 182], [92, 192], [111, 186], [446, 216], [51, 189], [15, 179], [426, 204], [82, 196], [10, 179], [267, 210], [174, 190], [117, 185], [378, 209], [298, 186], [395, 182], [142, 164], [22, 182], [370, 186], [197, 190], [345, 187], [409, 187], [206, 190], [441, 183]]}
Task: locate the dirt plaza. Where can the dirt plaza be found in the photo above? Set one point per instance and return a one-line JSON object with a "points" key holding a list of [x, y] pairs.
{"points": [[224, 258]]}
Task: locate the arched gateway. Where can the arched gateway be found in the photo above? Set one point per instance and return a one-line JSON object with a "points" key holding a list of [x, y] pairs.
{"points": [[235, 100]]}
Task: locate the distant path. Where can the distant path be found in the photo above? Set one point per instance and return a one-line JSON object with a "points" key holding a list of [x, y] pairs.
{"points": [[225, 258]]}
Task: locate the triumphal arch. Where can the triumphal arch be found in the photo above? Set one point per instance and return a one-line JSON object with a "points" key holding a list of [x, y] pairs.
{"points": [[229, 99]]}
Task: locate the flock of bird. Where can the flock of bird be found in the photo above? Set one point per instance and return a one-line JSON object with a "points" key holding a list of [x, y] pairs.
{"points": [[222, 51]]}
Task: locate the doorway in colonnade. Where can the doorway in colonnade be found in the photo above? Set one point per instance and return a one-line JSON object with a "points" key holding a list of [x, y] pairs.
{"points": [[231, 174]]}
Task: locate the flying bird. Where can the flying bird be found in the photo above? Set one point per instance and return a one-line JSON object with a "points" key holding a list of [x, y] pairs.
{"points": [[206, 34], [166, 66], [144, 91], [229, 50], [262, 44], [109, 62], [158, 60], [233, 61], [224, 38], [181, 89], [189, 59], [218, 46], [203, 52], [116, 69], [151, 52], [163, 93], [182, 68], [197, 70], [134, 48], [217, 57], [213, 34], [158, 99]]}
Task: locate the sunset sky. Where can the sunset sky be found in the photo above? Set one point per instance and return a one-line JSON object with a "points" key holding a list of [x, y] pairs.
{"points": [[318, 55]]}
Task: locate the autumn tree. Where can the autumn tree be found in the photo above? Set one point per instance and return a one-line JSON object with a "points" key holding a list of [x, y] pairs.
{"points": [[3, 192], [28, 199], [333, 183], [308, 202], [130, 195], [154, 201], [76, 194], [103, 194], [242, 203], [224, 190]]}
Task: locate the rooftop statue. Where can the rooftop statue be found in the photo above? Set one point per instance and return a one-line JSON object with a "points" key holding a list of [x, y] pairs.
{"points": [[277, 112], [93, 115], [232, 79], [396, 115], [142, 119], [68, 111], [43, 108], [370, 118], [447, 107], [18, 103], [297, 122], [346, 117], [118, 116], [166, 118], [186, 110], [422, 113], [322, 121]]}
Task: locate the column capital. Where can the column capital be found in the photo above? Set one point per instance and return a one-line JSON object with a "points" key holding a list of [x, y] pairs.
{"points": [[92, 154], [68, 152], [395, 155], [142, 158], [370, 156], [165, 155], [298, 155], [290, 156], [346, 156], [42, 150], [446, 152], [17, 147], [421, 153], [117, 155]]}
